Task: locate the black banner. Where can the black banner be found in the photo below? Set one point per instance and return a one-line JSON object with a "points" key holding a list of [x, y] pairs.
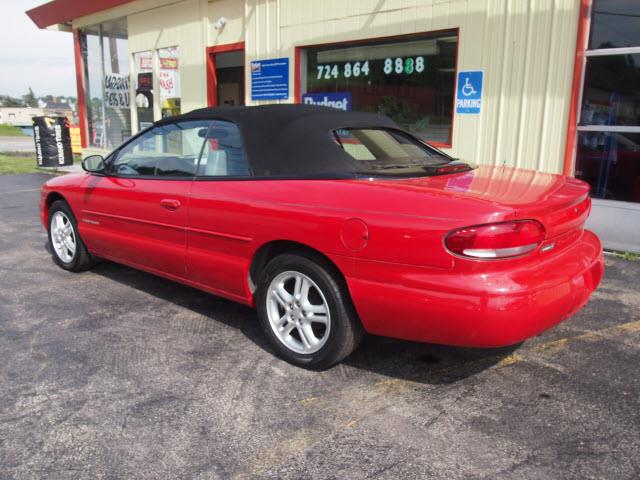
{"points": [[53, 141]]}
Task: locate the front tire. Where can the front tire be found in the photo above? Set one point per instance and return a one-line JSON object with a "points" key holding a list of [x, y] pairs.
{"points": [[68, 250], [305, 311]]}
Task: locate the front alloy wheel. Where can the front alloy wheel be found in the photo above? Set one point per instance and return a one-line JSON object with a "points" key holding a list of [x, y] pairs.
{"points": [[68, 250], [63, 237]]}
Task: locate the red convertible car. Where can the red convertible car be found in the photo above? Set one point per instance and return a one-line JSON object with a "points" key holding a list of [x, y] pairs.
{"points": [[332, 224]]}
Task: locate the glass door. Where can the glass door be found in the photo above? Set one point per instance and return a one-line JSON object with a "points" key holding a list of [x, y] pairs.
{"points": [[225, 75], [608, 141], [230, 76]]}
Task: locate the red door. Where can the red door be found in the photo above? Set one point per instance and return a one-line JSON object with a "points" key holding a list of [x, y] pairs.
{"points": [[140, 222], [218, 242], [137, 213]]}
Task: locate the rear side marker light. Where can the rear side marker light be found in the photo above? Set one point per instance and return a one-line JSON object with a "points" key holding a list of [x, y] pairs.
{"points": [[452, 169], [496, 240]]}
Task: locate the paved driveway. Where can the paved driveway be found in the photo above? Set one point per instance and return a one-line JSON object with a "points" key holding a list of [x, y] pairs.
{"points": [[114, 373]]}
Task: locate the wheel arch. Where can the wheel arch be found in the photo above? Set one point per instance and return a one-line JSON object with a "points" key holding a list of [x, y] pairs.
{"points": [[349, 327], [53, 197], [273, 248]]}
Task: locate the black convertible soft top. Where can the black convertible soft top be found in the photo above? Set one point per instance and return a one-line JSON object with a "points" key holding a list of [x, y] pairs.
{"points": [[292, 139]]}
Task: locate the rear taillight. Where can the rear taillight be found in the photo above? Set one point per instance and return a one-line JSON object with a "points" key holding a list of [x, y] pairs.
{"points": [[496, 240]]}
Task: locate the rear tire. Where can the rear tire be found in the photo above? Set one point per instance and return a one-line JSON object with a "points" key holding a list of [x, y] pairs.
{"points": [[68, 249], [305, 311]]}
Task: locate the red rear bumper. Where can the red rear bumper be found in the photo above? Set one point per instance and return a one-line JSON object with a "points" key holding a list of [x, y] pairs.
{"points": [[479, 308]]}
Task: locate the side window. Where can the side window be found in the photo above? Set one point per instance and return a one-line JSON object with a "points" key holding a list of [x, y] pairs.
{"points": [[166, 151], [223, 154]]}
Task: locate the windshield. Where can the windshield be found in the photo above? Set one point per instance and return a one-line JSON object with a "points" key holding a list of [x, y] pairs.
{"points": [[379, 148]]}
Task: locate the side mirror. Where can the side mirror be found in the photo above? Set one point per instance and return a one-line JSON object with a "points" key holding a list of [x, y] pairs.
{"points": [[93, 164]]}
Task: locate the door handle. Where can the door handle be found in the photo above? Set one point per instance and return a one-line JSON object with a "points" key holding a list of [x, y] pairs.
{"points": [[170, 204]]}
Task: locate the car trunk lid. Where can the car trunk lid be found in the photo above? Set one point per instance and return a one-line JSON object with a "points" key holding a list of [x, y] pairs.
{"points": [[560, 203]]}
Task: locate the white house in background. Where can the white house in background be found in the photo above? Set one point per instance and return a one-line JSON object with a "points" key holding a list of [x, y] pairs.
{"points": [[22, 116]]}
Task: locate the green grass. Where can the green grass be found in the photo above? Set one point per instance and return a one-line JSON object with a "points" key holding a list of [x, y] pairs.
{"points": [[10, 131], [25, 162], [628, 256], [16, 163]]}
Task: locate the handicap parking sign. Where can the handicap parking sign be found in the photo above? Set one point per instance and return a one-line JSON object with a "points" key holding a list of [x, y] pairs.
{"points": [[469, 92]]}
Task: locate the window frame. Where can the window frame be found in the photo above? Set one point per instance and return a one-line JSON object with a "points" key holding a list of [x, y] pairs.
{"points": [[599, 52], [397, 131], [299, 51], [250, 176], [83, 57], [111, 158], [583, 54]]}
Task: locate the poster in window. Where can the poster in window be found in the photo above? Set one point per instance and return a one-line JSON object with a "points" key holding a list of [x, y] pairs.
{"points": [[116, 90], [169, 82], [168, 63], [145, 62], [145, 82], [168, 58]]}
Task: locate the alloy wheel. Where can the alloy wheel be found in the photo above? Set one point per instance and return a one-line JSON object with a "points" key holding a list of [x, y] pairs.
{"points": [[298, 312], [63, 237]]}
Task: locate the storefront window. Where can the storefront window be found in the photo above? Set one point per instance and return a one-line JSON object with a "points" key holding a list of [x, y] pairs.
{"points": [[610, 162], [107, 86], [615, 24], [144, 88], [410, 80], [93, 86], [608, 153], [169, 81], [611, 90]]}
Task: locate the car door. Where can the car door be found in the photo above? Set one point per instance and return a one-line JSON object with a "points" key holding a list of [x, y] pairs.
{"points": [[219, 223], [136, 213]]}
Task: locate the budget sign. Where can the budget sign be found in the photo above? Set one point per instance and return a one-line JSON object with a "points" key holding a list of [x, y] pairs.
{"points": [[341, 101]]}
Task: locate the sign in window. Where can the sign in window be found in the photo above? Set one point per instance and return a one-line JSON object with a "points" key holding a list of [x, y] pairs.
{"points": [[412, 80]]}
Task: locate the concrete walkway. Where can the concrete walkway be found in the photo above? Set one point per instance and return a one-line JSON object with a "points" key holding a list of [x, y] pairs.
{"points": [[17, 144], [75, 168]]}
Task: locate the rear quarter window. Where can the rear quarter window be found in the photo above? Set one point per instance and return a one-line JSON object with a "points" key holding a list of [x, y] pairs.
{"points": [[385, 145]]}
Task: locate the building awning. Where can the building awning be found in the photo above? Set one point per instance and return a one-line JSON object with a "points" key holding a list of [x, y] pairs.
{"points": [[64, 11]]}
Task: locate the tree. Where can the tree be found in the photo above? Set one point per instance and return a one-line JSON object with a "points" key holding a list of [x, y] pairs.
{"points": [[30, 99], [11, 102]]}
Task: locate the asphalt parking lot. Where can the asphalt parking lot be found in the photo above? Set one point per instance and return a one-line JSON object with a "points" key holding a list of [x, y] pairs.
{"points": [[114, 373]]}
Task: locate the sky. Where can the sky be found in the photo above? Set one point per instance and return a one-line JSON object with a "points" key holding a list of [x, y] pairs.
{"points": [[30, 57]]}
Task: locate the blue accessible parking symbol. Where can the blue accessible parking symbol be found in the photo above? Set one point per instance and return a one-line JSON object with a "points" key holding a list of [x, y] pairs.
{"points": [[469, 92]]}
